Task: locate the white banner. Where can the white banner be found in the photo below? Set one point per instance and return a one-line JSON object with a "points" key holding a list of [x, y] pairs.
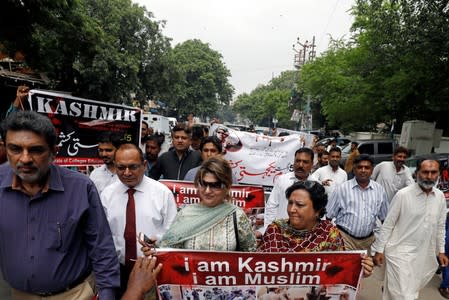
{"points": [[259, 159]]}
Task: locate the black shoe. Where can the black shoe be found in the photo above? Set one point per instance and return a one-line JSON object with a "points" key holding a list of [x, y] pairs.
{"points": [[444, 292]]}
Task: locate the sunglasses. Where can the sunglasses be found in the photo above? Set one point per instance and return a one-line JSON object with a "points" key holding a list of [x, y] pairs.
{"points": [[133, 167], [308, 184], [217, 185]]}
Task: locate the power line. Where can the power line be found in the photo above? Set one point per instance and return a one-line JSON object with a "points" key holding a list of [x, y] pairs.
{"points": [[329, 21]]}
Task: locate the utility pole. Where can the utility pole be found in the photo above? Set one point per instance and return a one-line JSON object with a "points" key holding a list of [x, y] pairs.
{"points": [[304, 52]]}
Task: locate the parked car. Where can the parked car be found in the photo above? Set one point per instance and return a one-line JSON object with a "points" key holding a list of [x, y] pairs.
{"points": [[379, 150], [341, 141], [443, 158]]}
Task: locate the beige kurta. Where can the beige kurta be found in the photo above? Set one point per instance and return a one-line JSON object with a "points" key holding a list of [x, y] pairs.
{"points": [[411, 237]]}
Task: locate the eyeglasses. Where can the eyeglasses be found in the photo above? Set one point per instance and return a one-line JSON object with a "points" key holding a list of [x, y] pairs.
{"points": [[308, 184], [132, 167], [214, 186]]}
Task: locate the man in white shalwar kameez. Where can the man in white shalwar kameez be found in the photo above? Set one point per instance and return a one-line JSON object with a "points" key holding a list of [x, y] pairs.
{"points": [[413, 235]]}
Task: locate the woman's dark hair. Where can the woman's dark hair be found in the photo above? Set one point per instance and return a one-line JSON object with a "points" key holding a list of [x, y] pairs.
{"points": [[316, 191]]}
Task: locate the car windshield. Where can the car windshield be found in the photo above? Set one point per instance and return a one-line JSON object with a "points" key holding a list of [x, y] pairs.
{"points": [[411, 163]]}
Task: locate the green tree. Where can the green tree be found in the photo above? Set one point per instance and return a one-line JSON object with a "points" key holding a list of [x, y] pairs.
{"points": [[202, 87], [395, 66], [344, 96], [268, 101], [102, 49]]}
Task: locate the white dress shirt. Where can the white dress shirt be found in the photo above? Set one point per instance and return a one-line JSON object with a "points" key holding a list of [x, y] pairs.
{"points": [[155, 211], [325, 173], [102, 177]]}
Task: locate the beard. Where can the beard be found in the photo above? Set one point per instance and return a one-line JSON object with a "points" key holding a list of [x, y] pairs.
{"points": [[334, 164], [426, 184], [398, 164], [34, 176]]}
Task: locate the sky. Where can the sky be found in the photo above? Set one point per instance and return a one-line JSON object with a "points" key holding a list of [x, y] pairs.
{"points": [[255, 37]]}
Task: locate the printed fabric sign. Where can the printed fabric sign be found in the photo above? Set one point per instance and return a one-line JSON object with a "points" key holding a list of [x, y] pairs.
{"points": [[259, 159], [244, 196], [248, 197], [79, 122], [188, 274]]}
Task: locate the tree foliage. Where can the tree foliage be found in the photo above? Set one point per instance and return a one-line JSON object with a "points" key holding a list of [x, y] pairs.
{"points": [[268, 101], [202, 86], [395, 67], [129, 57], [110, 49]]}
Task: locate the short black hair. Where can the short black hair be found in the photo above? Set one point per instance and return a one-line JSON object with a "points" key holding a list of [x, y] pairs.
{"points": [[401, 149], [320, 155], [214, 140], [156, 138], [31, 121], [335, 149], [305, 150], [363, 157], [110, 137], [316, 191], [197, 132], [182, 127], [420, 161]]}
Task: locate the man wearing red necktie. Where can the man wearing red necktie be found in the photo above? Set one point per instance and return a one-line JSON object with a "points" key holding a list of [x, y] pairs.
{"points": [[135, 204]]}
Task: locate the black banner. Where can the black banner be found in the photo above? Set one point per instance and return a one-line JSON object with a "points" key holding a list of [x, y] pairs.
{"points": [[79, 122]]}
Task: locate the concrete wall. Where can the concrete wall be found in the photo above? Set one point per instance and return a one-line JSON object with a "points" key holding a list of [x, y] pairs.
{"points": [[444, 145]]}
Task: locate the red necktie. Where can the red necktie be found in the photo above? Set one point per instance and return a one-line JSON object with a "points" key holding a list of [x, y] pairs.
{"points": [[130, 230]]}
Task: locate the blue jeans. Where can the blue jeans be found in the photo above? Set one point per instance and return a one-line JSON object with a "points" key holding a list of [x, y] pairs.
{"points": [[445, 271]]}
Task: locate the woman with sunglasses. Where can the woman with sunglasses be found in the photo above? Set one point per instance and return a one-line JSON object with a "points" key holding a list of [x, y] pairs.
{"points": [[214, 223], [305, 230]]}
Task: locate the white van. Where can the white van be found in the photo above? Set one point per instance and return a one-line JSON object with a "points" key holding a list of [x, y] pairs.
{"points": [[172, 121], [160, 124]]}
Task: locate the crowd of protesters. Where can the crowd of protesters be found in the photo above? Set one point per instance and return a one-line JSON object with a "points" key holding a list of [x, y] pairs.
{"points": [[66, 236]]}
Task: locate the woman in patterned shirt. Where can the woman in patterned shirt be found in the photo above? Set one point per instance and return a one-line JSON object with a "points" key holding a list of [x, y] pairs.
{"points": [[304, 230]]}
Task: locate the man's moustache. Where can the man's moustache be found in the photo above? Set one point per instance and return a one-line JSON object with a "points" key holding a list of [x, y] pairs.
{"points": [[429, 182], [28, 165]]}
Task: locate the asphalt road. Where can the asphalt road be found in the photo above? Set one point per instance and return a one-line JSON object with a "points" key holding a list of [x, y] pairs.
{"points": [[371, 288]]}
